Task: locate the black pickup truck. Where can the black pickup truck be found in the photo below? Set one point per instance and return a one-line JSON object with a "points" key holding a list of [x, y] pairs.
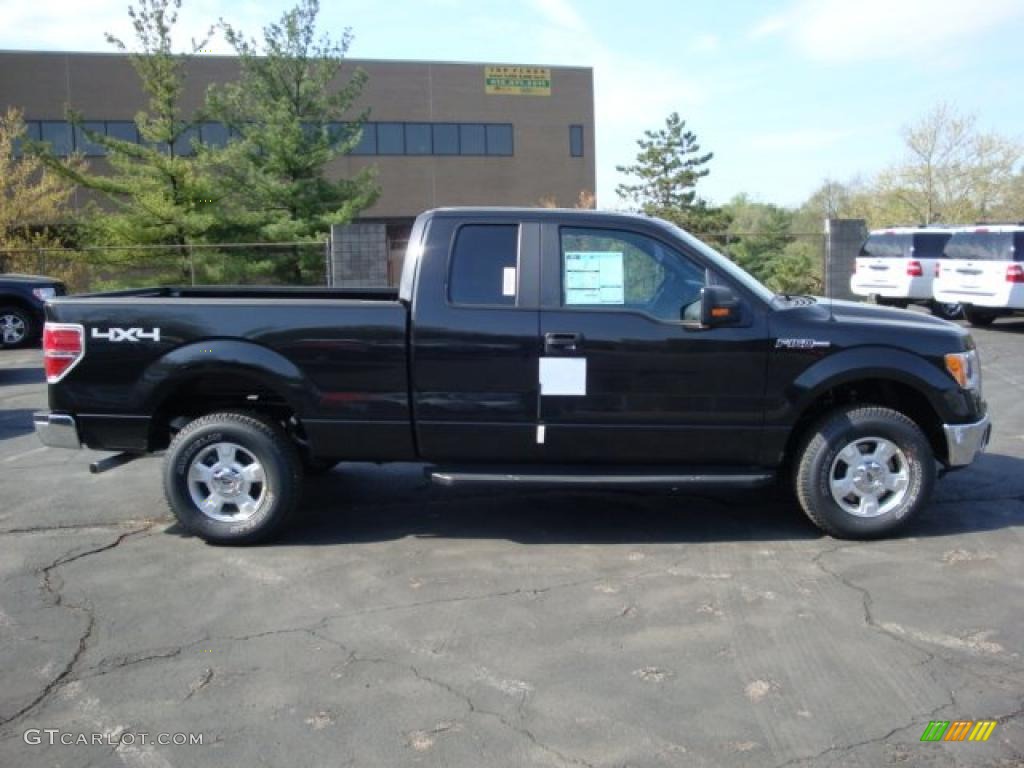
{"points": [[531, 346], [22, 299]]}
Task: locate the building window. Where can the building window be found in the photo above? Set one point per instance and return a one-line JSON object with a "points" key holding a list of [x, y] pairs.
{"points": [[183, 144], [417, 139], [472, 139], [576, 140], [446, 138], [367, 144], [213, 134], [82, 142], [480, 261], [390, 139], [123, 130], [31, 134], [499, 139], [58, 133]]}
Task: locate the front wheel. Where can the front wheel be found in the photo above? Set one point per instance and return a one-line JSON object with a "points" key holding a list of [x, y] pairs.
{"points": [[232, 478], [864, 472]]}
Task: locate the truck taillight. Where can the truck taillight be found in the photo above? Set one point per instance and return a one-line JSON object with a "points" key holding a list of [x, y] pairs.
{"points": [[1015, 273], [938, 269], [914, 268], [63, 348]]}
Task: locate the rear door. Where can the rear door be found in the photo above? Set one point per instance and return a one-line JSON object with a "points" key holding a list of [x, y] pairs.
{"points": [[882, 264], [474, 340], [622, 379], [977, 262]]}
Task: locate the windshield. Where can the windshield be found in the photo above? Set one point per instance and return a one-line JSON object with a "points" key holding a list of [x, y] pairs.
{"points": [[929, 246], [982, 246], [721, 263]]}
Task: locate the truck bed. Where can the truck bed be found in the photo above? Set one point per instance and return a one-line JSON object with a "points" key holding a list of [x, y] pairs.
{"points": [[248, 292]]}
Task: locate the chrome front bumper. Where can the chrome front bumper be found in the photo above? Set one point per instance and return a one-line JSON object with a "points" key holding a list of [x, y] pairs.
{"points": [[965, 441], [57, 430]]}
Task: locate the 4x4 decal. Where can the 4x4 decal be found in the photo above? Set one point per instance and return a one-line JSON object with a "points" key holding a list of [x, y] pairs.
{"points": [[134, 335]]}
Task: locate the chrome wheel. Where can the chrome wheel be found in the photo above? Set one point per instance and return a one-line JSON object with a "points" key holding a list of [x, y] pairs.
{"points": [[12, 328], [869, 477], [226, 482]]}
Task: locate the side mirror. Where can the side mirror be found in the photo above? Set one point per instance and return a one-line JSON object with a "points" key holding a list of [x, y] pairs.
{"points": [[718, 306]]}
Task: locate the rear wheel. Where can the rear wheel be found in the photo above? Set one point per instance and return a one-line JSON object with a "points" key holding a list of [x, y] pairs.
{"points": [[16, 326], [947, 310], [232, 478], [864, 472], [979, 317]]}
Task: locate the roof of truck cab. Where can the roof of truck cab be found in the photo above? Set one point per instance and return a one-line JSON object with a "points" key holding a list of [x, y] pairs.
{"points": [[533, 212]]}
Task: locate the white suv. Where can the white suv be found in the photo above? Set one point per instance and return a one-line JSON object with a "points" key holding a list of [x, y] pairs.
{"points": [[984, 271], [896, 266]]}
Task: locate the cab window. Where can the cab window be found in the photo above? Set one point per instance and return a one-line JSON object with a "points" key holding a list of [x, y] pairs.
{"points": [[627, 271], [483, 265]]}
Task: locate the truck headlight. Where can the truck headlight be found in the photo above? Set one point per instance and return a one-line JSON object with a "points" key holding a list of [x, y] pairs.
{"points": [[44, 293], [965, 368]]}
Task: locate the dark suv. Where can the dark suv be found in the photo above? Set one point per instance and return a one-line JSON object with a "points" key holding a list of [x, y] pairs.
{"points": [[21, 306]]}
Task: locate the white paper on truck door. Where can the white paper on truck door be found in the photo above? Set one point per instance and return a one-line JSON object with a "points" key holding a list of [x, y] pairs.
{"points": [[563, 376]]}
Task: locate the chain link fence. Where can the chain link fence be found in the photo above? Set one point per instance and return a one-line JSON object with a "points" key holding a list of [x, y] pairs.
{"points": [[112, 267]]}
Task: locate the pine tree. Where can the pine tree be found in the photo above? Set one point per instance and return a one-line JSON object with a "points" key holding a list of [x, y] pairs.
{"points": [[668, 166], [291, 110], [157, 190]]}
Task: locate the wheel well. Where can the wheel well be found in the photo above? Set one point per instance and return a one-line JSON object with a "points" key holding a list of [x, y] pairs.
{"points": [[885, 392], [20, 303], [205, 394]]}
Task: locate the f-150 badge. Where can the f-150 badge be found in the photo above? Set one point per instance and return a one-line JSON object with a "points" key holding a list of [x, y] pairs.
{"points": [[133, 335], [801, 344]]}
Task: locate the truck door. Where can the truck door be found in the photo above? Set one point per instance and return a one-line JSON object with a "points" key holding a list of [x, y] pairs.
{"points": [[623, 380], [474, 340]]}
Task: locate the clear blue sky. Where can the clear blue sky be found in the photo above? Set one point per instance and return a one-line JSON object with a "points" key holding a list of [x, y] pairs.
{"points": [[783, 93]]}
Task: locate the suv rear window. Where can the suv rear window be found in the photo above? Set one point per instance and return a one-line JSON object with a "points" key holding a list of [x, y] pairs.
{"points": [[986, 246], [483, 265], [887, 246], [930, 245]]}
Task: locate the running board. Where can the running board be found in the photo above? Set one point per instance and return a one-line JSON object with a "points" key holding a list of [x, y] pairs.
{"points": [[592, 478]]}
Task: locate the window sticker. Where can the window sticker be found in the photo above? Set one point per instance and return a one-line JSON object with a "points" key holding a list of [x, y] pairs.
{"points": [[563, 376], [508, 281], [594, 277]]}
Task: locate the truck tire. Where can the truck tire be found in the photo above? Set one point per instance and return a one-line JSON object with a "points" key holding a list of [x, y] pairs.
{"points": [[16, 326], [879, 457], [979, 317], [232, 478]]}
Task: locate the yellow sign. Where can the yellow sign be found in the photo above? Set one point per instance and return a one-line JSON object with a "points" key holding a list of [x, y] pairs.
{"points": [[517, 81]]}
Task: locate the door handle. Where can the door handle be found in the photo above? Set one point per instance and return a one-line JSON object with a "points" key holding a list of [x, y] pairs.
{"points": [[562, 342]]}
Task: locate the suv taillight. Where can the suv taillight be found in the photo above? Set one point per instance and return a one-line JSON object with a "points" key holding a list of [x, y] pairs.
{"points": [[914, 268], [63, 348], [1015, 273], [938, 269]]}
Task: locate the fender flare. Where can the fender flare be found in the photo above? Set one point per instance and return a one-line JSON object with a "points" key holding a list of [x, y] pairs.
{"points": [[264, 366], [878, 363]]}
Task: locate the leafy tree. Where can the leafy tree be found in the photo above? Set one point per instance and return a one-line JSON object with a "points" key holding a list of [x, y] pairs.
{"points": [[33, 198], [290, 110], [951, 172], [157, 191], [667, 168]]}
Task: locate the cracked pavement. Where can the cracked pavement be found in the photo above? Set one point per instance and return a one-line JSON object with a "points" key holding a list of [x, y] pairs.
{"points": [[402, 624]]}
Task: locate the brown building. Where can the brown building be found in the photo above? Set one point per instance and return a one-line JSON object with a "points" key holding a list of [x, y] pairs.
{"points": [[439, 133]]}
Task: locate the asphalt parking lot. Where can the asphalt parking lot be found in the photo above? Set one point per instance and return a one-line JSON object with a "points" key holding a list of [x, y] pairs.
{"points": [[402, 624]]}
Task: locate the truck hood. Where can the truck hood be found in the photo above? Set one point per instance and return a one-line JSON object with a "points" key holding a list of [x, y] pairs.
{"points": [[858, 312]]}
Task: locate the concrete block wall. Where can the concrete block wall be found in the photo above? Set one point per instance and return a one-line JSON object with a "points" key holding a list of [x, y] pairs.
{"points": [[843, 239], [359, 255]]}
